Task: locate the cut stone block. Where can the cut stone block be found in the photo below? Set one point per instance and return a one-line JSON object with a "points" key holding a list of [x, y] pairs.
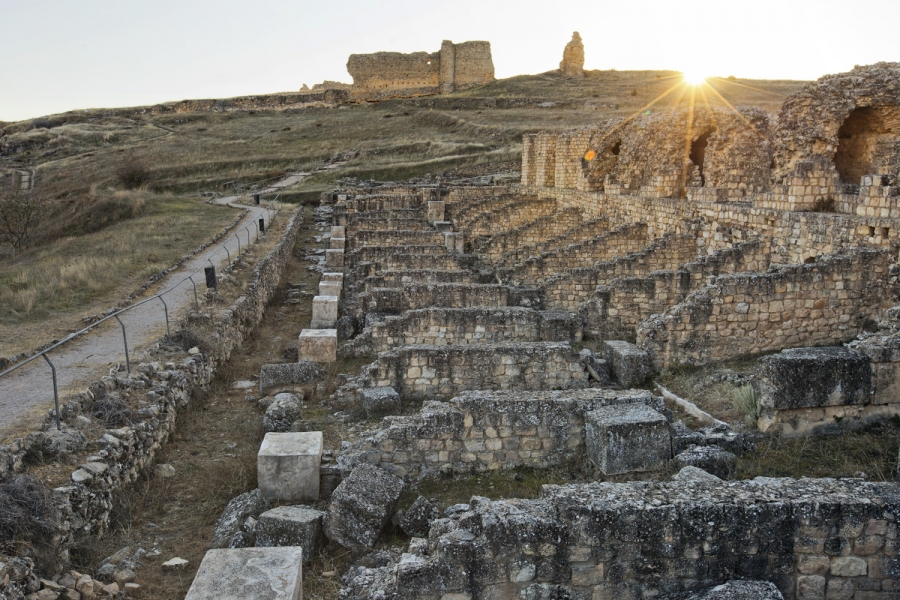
{"points": [[287, 375], [282, 412], [337, 243], [735, 590], [627, 437], [812, 378], [416, 521], [330, 288], [444, 226], [288, 466], [249, 574], [230, 525], [362, 505], [324, 312], [292, 526], [338, 231], [435, 210], [712, 459], [455, 242], [379, 401], [628, 364], [334, 259], [318, 345], [333, 278]]}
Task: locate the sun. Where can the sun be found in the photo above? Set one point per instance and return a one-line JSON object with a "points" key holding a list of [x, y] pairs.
{"points": [[692, 77]]}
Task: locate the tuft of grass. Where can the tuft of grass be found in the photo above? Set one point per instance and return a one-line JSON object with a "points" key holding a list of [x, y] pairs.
{"points": [[27, 516], [746, 402], [133, 173]]}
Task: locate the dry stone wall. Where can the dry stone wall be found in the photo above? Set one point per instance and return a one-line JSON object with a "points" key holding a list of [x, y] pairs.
{"points": [[487, 431], [826, 302]]}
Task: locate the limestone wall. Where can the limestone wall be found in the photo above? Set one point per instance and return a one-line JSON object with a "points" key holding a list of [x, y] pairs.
{"points": [[581, 233], [448, 295], [386, 75], [396, 279], [390, 255], [486, 431], [506, 218], [629, 541], [446, 326], [393, 237], [822, 303], [429, 372], [528, 234]]}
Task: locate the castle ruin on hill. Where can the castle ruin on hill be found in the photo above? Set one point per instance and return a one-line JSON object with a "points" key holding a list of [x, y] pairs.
{"points": [[395, 75]]}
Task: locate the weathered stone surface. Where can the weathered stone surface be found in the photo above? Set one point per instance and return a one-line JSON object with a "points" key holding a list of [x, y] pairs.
{"points": [[572, 64], [416, 520], [630, 437], [597, 368], [334, 259], [379, 401], [231, 523], [292, 526], [712, 459], [813, 377], [282, 412], [330, 288], [249, 574], [629, 365], [362, 505], [288, 375], [324, 312], [733, 590], [691, 473], [317, 345], [345, 327], [288, 466]]}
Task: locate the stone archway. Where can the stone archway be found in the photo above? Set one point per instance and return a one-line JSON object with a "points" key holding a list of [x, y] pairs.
{"points": [[698, 153], [868, 142]]}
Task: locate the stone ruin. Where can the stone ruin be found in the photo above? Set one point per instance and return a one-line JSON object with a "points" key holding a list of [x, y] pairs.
{"points": [[454, 67], [666, 240], [572, 64]]}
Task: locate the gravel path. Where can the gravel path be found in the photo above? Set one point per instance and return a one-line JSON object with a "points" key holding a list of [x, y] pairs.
{"points": [[30, 389]]}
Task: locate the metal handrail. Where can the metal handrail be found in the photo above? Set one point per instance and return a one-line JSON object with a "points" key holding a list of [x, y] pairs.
{"points": [[115, 315]]}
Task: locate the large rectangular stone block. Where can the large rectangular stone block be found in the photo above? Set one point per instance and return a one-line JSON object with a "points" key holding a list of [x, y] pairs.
{"points": [[334, 259], [338, 231], [249, 574], [337, 243], [319, 345], [324, 312], [292, 526], [287, 375], [444, 226], [333, 278], [330, 288], [455, 242], [362, 505], [627, 437], [628, 364], [288, 466], [435, 210]]}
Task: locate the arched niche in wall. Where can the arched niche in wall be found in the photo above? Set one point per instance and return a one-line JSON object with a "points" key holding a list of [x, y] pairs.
{"points": [[868, 143], [698, 152]]}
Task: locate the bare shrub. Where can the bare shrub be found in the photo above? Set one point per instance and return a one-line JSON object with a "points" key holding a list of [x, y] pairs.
{"points": [[112, 412], [27, 515], [133, 173], [20, 213]]}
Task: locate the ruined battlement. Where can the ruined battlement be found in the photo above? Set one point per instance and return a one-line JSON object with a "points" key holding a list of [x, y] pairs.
{"points": [[454, 67]]}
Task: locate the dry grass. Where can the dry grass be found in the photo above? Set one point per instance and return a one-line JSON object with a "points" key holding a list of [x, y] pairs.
{"points": [[45, 292]]}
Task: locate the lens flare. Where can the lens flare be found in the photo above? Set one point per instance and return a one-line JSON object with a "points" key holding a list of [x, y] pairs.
{"points": [[694, 77]]}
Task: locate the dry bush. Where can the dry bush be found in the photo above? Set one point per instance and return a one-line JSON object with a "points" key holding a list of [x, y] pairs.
{"points": [[20, 213], [133, 173], [27, 515]]}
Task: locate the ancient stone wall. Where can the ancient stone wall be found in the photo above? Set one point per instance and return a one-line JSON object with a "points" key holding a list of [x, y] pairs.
{"points": [[630, 540], [579, 233], [478, 325], [393, 237], [394, 301], [486, 431], [421, 371], [386, 75], [826, 302], [528, 234], [396, 279]]}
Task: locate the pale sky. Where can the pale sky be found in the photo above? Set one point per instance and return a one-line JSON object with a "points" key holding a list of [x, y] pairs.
{"points": [[59, 55]]}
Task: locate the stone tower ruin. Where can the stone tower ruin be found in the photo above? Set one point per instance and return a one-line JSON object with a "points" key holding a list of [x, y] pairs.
{"points": [[572, 64]]}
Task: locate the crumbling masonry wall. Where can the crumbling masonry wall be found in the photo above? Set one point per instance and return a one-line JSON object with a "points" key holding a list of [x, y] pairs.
{"points": [[636, 540]]}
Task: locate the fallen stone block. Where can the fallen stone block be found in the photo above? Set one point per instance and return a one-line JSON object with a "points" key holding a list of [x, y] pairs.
{"points": [[319, 345], [282, 412], [292, 526], [362, 505], [628, 364], [712, 459], [379, 401], [249, 574], [416, 521], [288, 466], [234, 517], [288, 375], [324, 312], [733, 590], [628, 437], [334, 259], [690, 473]]}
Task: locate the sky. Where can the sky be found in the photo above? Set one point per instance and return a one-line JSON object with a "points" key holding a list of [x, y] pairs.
{"points": [[60, 55]]}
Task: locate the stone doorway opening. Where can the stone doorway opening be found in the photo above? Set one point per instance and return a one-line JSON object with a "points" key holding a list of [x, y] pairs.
{"points": [[698, 153]]}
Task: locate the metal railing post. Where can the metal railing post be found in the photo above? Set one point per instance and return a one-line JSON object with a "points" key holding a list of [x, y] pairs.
{"points": [[166, 308], [55, 392], [237, 237], [125, 339], [227, 252]]}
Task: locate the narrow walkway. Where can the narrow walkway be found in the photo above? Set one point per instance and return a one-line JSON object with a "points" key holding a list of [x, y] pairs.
{"points": [[88, 358]]}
